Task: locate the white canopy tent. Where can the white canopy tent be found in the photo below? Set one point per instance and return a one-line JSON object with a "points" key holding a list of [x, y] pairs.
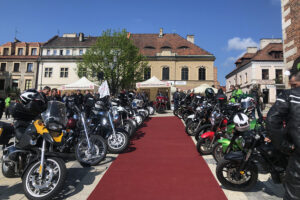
{"points": [[81, 84], [202, 88], [152, 82]]}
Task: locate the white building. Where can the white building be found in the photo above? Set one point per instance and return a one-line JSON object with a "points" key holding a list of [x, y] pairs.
{"points": [[59, 58], [264, 67]]}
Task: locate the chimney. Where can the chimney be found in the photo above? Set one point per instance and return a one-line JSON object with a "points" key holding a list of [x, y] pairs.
{"points": [[81, 37], [265, 42], [252, 49], [190, 38], [160, 32]]}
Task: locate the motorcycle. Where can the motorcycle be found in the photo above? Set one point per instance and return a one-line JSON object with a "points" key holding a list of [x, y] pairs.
{"points": [[30, 156], [160, 104]]}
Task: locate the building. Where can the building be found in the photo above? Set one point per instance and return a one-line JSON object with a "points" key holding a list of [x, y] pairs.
{"points": [[264, 67], [290, 31], [19, 66], [176, 59], [59, 58]]}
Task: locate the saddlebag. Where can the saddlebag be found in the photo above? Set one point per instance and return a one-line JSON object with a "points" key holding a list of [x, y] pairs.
{"points": [[6, 133]]}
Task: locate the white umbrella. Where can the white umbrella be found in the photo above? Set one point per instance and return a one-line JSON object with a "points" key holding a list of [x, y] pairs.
{"points": [[202, 88]]}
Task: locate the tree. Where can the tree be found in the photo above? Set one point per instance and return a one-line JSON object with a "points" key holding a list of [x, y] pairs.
{"points": [[116, 59]]}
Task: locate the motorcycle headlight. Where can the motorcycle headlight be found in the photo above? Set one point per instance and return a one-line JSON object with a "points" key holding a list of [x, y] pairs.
{"points": [[212, 121], [75, 117], [104, 121]]}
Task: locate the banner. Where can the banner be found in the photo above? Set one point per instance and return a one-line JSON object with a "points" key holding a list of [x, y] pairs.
{"points": [[104, 89]]}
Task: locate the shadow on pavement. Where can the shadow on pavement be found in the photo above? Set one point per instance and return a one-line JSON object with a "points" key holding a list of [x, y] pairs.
{"points": [[7, 191]]}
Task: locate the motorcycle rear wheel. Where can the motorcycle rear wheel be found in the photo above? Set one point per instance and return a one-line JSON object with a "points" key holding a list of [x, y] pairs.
{"points": [[95, 155], [54, 171], [234, 179]]}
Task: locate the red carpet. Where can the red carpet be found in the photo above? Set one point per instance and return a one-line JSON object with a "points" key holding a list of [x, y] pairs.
{"points": [[163, 164]]}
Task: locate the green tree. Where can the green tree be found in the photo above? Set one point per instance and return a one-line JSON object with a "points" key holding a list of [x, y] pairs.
{"points": [[117, 58]]}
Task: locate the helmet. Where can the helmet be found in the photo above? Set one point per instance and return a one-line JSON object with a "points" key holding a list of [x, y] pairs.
{"points": [[241, 122], [31, 95], [209, 93]]}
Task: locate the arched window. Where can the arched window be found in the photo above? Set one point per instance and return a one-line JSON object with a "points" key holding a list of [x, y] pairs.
{"points": [[185, 74], [147, 73], [165, 73], [201, 74]]}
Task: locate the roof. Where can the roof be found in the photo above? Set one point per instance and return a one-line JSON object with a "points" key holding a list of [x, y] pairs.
{"points": [[150, 44], [57, 41], [261, 55]]}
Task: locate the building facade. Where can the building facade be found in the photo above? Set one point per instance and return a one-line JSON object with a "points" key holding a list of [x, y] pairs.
{"points": [[177, 60], [264, 67], [18, 66]]}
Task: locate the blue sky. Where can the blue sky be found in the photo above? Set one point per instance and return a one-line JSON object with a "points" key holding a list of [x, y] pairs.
{"points": [[222, 27]]}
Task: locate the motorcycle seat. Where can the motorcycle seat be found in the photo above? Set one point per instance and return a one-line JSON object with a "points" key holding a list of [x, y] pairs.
{"points": [[20, 127]]}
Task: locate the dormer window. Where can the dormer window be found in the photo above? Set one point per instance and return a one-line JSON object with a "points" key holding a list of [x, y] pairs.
{"points": [[183, 47], [149, 47], [20, 51], [33, 51], [166, 47], [5, 51]]}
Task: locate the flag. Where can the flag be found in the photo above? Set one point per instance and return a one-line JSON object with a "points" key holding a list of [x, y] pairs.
{"points": [[104, 89]]}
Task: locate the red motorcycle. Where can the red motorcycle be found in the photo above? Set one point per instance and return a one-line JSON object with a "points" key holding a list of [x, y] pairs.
{"points": [[161, 104]]}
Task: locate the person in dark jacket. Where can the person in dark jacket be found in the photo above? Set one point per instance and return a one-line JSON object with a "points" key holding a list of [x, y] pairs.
{"points": [[88, 102], [54, 95], [78, 99], [283, 125], [256, 94], [176, 98], [2, 107]]}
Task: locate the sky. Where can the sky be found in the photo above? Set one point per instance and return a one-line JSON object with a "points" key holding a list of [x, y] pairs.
{"points": [[224, 28]]}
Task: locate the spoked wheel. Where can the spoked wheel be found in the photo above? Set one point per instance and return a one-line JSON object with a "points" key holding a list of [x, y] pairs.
{"points": [[217, 152], [91, 156], [232, 178], [117, 143], [190, 128], [47, 186], [202, 130], [204, 146]]}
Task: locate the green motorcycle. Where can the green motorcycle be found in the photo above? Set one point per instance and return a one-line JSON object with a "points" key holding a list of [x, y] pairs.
{"points": [[235, 143]]}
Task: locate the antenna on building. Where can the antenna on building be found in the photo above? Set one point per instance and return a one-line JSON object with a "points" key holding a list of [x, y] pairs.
{"points": [[16, 32], [58, 32]]}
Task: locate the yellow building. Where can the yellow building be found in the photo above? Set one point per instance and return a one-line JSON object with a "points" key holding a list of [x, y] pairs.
{"points": [[177, 60]]}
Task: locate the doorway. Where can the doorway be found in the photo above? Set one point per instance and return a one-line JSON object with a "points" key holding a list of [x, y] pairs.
{"points": [[265, 96]]}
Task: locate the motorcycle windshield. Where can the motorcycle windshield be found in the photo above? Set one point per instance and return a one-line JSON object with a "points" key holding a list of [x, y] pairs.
{"points": [[55, 115]]}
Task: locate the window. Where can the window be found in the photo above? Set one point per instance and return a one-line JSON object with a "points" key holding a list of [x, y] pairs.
{"points": [[3, 67], [28, 84], [29, 67], [68, 52], [61, 52], [80, 52], [2, 84], [165, 73], [246, 78], [166, 47], [183, 47], [279, 79], [265, 74], [241, 80], [34, 51], [48, 52], [20, 51], [64, 72], [201, 73], [54, 52], [147, 73], [5, 51], [48, 72], [149, 47], [185, 74], [16, 67], [15, 84]]}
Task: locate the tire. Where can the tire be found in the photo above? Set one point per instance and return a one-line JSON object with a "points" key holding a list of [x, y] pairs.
{"points": [[118, 144], [139, 121], [8, 171], [232, 184], [151, 110], [185, 116], [98, 151], [57, 165], [190, 127], [129, 127], [217, 152], [202, 146], [202, 129], [175, 112]]}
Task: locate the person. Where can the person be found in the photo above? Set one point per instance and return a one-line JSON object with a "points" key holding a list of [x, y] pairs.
{"points": [[256, 94], [233, 94], [54, 95], [176, 98], [88, 102], [2, 107], [78, 99], [45, 92], [7, 104], [283, 125]]}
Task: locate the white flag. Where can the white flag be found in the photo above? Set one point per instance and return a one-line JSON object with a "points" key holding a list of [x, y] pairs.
{"points": [[104, 89]]}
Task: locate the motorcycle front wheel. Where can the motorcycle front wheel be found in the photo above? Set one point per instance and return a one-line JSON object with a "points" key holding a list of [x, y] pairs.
{"points": [[203, 146], [202, 129], [190, 128], [218, 152], [93, 156], [232, 178], [50, 184], [117, 143]]}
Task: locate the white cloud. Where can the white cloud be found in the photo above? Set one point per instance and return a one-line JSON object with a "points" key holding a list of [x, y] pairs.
{"points": [[231, 60], [237, 43]]}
